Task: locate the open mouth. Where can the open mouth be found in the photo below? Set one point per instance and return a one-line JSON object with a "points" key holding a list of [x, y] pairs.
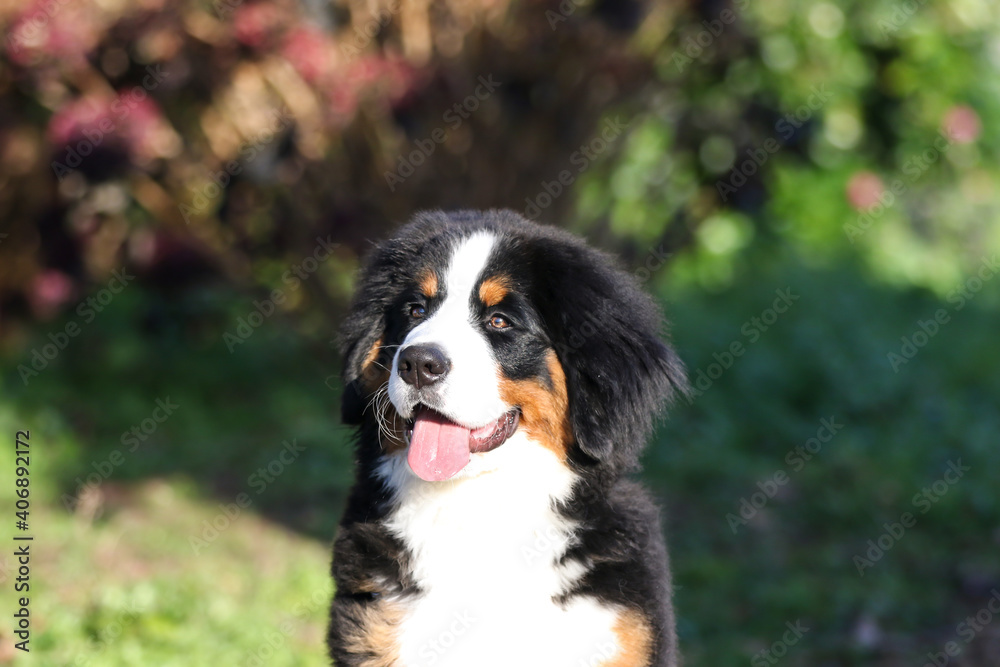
{"points": [[439, 448]]}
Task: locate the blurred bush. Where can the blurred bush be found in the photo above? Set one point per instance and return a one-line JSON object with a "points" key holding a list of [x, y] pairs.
{"points": [[200, 139], [837, 129], [194, 140]]}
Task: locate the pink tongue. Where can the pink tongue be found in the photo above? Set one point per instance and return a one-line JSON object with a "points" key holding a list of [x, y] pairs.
{"points": [[439, 448]]}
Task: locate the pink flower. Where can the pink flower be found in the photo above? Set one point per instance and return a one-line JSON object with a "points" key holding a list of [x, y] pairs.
{"points": [[309, 51], [69, 121], [394, 77], [343, 101], [49, 290], [139, 123], [131, 119], [257, 24], [864, 190], [961, 124], [55, 31]]}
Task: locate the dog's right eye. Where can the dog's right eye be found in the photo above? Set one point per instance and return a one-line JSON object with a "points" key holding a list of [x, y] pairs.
{"points": [[417, 311]]}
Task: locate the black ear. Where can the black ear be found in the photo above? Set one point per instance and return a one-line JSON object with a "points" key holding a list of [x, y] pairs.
{"points": [[363, 328], [619, 372]]}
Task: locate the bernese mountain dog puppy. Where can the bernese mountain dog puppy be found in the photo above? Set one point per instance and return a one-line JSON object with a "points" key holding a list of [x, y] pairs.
{"points": [[504, 378]]}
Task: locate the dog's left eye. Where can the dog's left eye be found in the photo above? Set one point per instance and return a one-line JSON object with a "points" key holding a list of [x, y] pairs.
{"points": [[417, 311], [499, 322]]}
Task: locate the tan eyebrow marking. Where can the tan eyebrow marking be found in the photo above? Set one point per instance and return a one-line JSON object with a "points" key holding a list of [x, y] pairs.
{"points": [[429, 284], [493, 290]]}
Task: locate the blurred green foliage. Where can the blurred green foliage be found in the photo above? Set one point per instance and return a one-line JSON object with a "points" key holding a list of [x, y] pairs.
{"points": [[857, 97], [826, 360]]}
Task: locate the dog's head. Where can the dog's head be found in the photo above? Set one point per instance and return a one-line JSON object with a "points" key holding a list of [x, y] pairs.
{"points": [[469, 326]]}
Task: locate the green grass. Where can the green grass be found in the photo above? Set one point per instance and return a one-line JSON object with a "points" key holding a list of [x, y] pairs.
{"points": [[117, 582]]}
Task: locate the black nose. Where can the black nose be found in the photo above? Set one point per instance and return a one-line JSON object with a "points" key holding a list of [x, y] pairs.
{"points": [[422, 365]]}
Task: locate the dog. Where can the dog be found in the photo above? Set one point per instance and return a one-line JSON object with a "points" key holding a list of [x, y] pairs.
{"points": [[503, 377]]}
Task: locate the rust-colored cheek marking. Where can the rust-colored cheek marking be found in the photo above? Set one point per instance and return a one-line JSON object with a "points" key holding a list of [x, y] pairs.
{"points": [[635, 641], [493, 290], [374, 375], [429, 284], [376, 635], [544, 410], [373, 355], [373, 368]]}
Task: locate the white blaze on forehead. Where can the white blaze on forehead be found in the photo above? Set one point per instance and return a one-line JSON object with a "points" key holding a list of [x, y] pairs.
{"points": [[470, 393], [467, 263]]}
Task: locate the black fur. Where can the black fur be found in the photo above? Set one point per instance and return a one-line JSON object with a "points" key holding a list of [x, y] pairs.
{"points": [[606, 333]]}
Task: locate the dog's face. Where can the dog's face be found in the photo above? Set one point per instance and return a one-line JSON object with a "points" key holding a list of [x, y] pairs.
{"points": [[475, 360], [468, 327]]}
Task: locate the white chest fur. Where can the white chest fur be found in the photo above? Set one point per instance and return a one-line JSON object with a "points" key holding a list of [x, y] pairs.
{"points": [[486, 546]]}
